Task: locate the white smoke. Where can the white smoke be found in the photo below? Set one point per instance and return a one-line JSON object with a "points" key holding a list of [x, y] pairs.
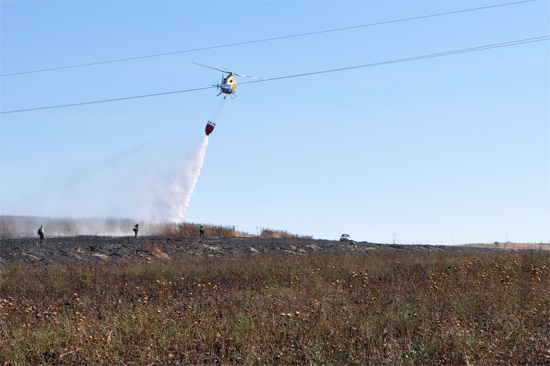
{"points": [[153, 183], [160, 186]]}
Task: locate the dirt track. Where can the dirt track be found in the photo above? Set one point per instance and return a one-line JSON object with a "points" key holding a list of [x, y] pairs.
{"points": [[98, 249]]}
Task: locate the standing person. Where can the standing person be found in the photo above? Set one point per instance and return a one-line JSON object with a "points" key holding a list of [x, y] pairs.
{"points": [[136, 229], [41, 233], [202, 231]]}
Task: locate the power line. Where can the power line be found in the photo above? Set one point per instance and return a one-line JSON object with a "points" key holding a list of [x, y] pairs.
{"points": [[107, 100], [415, 58], [401, 60], [266, 39]]}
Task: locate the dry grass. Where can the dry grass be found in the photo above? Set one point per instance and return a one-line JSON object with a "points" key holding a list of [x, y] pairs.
{"points": [[514, 246], [435, 309], [26, 226], [190, 229], [269, 233]]}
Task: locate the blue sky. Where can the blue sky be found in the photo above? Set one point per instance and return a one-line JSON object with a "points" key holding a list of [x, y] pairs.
{"points": [[444, 150]]}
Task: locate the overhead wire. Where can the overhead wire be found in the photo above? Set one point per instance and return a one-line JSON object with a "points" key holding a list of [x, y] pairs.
{"points": [[107, 100], [401, 60], [408, 59], [266, 39]]}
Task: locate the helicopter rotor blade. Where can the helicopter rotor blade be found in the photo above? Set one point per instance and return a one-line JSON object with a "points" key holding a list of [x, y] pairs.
{"points": [[230, 72], [213, 68], [247, 76]]}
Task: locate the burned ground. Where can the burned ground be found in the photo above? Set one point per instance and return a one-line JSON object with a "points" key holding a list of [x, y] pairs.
{"points": [[102, 249]]}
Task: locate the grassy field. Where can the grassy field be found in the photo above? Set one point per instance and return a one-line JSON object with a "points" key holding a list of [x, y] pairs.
{"points": [[513, 246], [399, 309]]}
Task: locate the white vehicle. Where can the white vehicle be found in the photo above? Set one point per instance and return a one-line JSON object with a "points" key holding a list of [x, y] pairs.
{"points": [[345, 237]]}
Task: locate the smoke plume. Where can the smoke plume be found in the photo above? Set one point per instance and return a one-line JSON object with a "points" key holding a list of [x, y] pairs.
{"points": [[153, 183]]}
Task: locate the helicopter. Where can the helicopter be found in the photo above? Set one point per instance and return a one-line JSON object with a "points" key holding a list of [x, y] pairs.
{"points": [[228, 84]]}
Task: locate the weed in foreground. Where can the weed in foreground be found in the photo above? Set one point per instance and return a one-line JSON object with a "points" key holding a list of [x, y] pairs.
{"points": [[405, 309]]}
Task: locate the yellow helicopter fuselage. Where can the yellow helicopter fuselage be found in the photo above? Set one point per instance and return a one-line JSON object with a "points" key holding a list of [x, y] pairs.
{"points": [[229, 85]]}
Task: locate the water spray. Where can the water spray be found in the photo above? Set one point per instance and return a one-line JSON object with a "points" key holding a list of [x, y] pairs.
{"points": [[183, 183]]}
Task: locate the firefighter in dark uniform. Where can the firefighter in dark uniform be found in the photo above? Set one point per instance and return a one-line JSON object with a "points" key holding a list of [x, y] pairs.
{"points": [[41, 233]]}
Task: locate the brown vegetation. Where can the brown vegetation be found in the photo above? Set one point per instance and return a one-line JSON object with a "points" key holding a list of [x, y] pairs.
{"points": [[401, 309], [189, 229], [269, 233], [26, 226], [513, 246]]}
